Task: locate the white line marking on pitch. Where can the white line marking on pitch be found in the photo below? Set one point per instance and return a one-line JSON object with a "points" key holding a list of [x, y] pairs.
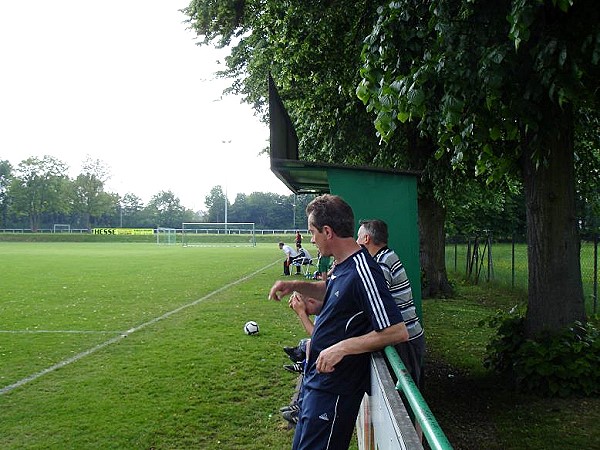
{"points": [[57, 331], [88, 352]]}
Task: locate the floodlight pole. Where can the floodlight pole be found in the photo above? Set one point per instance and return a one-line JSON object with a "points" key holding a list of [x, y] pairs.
{"points": [[294, 205], [226, 200]]}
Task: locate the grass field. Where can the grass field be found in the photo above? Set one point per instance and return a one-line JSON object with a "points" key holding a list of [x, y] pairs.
{"points": [[503, 267], [478, 409], [141, 346]]}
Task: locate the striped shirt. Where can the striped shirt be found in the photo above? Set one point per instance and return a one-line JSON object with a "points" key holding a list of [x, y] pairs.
{"points": [[399, 286]]}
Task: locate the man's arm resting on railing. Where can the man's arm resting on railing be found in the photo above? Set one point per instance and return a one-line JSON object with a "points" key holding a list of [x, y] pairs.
{"points": [[367, 343]]}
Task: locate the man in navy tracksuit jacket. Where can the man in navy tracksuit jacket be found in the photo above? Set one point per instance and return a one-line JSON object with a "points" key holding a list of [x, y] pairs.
{"points": [[357, 315]]}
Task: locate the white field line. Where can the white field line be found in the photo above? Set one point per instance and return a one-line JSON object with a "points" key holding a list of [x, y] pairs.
{"points": [[57, 331], [122, 335]]}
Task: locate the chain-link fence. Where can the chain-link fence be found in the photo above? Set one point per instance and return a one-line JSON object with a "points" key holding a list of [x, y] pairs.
{"points": [[505, 262]]}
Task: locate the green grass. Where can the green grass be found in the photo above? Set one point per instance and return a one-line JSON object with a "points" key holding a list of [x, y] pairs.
{"points": [[519, 421], [503, 267], [191, 380]]}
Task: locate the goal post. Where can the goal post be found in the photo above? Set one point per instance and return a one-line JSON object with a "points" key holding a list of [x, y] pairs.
{"points": [[61, 228], [218, 234], [166, 236]]}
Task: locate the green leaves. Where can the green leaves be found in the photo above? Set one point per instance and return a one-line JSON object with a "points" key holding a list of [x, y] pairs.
{"points": [[520, 18], [560, 364], [403, 116], [416, 96]]}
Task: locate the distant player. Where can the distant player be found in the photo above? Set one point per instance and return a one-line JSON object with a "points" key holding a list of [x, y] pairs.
{"points": [[290, 256]]}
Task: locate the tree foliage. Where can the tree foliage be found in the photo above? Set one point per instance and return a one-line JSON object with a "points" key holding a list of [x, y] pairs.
{"points": [[490, 88], [40, 186], [38, 193], [83, 201], [89, 197], [495, 86], [587, 168], [265, 209], [215, 202], [165, 210], [476, 75], [5, 177], [313, 49], [475, 211]]}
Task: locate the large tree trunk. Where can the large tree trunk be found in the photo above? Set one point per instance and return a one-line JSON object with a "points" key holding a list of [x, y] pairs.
{"points": [[432, 216], [555, 286], [34, 221]]}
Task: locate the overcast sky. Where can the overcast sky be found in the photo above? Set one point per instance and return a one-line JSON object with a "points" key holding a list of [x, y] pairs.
{"points": [[124, 82]]}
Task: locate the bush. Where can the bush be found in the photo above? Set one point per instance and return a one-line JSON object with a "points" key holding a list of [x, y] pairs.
{"points": [[561, 364]]}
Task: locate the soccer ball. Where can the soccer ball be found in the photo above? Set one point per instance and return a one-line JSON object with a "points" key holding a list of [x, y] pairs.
{"points": [[251, 328]]}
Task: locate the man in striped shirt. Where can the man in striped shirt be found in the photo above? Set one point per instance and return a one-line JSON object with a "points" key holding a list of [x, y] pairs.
{"points": [[357, 315], [373, 235]]}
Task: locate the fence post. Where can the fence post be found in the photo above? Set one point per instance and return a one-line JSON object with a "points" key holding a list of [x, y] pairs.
{"points": [[455, 256], [490, 258], [468, 259], [595, 274], [512, 264]]}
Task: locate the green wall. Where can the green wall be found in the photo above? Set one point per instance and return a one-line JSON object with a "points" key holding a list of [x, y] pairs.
{"points": [[389, 197]]}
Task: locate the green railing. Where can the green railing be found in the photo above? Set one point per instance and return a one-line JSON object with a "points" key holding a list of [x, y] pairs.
{"points": [[432, 431]]}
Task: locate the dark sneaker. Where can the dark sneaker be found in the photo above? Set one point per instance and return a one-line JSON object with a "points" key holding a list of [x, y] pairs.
{"points": [[290, 416], [295, 353], [291, 407], [296, 367]]}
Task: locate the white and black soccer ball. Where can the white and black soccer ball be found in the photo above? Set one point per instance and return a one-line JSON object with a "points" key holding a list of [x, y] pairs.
{"points": [[251, 328]]}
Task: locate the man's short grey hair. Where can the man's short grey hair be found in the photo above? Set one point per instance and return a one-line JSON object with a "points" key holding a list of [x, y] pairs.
{"points": [[377, 229]]}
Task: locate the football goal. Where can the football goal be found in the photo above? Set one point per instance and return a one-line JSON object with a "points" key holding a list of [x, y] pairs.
{"points": [[166, 236], [218, 234], [61, 228]]}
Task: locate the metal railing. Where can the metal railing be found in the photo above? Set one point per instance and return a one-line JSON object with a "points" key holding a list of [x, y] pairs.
{"points": [[432, 431]]}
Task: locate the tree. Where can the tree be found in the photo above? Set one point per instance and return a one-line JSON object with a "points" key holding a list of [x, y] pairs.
{"points": [[5, 177], [239, 211], [130, 208], [272, 210], [301, 202], [90, 199], [474, 209], [40, 186], [498, 95], [313, 51], [109, 216], [215, 202], [165, 210]]}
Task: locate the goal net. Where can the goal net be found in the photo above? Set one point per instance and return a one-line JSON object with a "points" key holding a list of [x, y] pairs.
{"points": [[61, 228], [218, 234], [166, 236]]}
